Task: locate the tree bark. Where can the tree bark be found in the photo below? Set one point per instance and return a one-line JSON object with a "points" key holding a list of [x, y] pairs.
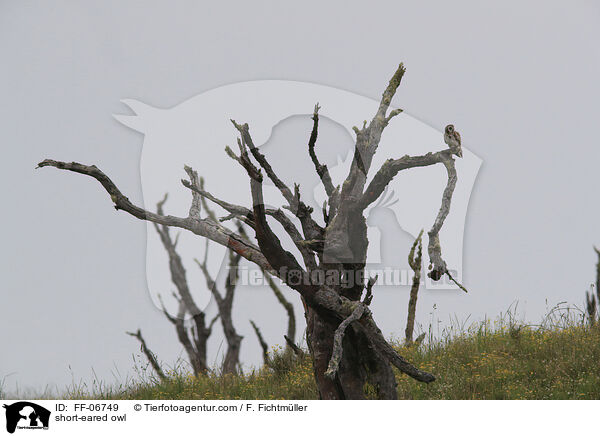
{"points": [[414, 260], [360, 367]]}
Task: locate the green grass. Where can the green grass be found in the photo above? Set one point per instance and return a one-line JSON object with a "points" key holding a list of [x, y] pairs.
{"points": [[510, 363], [559, 359]]}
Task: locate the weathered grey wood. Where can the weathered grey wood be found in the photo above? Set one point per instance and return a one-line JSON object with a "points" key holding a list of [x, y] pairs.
{"points": [[362, 354]]}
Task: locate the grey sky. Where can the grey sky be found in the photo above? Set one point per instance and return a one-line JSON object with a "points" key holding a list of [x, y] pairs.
{"points": [[519, 80]]}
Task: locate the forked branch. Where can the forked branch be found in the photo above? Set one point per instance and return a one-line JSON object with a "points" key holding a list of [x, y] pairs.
{"points": [[206, 228]]}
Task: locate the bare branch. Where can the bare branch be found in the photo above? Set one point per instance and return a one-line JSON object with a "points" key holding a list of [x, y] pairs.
{"points": [[196, 354], [195, 207], [434, 247], [224, 305], [310, 228], [369, 288], [392, 114], [295, 236], [262, 160], [336, 354], [171, 318], [234, 209], [324, 299], [322, 170], [206, 228], [149, 354], [178, 273], [367, 142], [415, 262], [279, 259], [263, 345], [210, 283], [462, 288], [390, 91], [246, 215], [295, 348], [392, 167], [289, 307], [213, 321], [374, 335]]}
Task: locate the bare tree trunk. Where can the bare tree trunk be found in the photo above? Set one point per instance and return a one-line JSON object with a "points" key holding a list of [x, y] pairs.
{"points": [[196, 347], [352, 359], [232, 356], [231, 362], [360, 366], [415, 262]]}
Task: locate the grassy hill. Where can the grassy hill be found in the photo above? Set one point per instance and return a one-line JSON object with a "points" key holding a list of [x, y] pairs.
{"points": [[508, 361]]}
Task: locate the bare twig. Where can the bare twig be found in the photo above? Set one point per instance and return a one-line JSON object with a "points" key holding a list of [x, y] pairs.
{"points": [[263, 345], [238, 211], [369, 290], [195, 207], [295, 348], [149, 354], [289, 307], [322, 170]]}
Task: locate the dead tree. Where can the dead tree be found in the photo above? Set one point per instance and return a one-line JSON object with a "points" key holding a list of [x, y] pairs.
{"points": [[224, 302], [194, 340], [231, 362], [414, 261], [193, 344], [348, 349], [149, 354]]}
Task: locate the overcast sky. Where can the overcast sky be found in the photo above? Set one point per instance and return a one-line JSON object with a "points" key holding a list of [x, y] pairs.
{"points": [[519, 80]]}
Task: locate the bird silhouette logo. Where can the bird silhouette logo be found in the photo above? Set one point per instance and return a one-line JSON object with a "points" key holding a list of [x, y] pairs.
{"points": [[196, 131]]}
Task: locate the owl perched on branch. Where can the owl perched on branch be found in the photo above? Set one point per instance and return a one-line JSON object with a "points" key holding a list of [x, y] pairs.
{"points": [[452, 138]]}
